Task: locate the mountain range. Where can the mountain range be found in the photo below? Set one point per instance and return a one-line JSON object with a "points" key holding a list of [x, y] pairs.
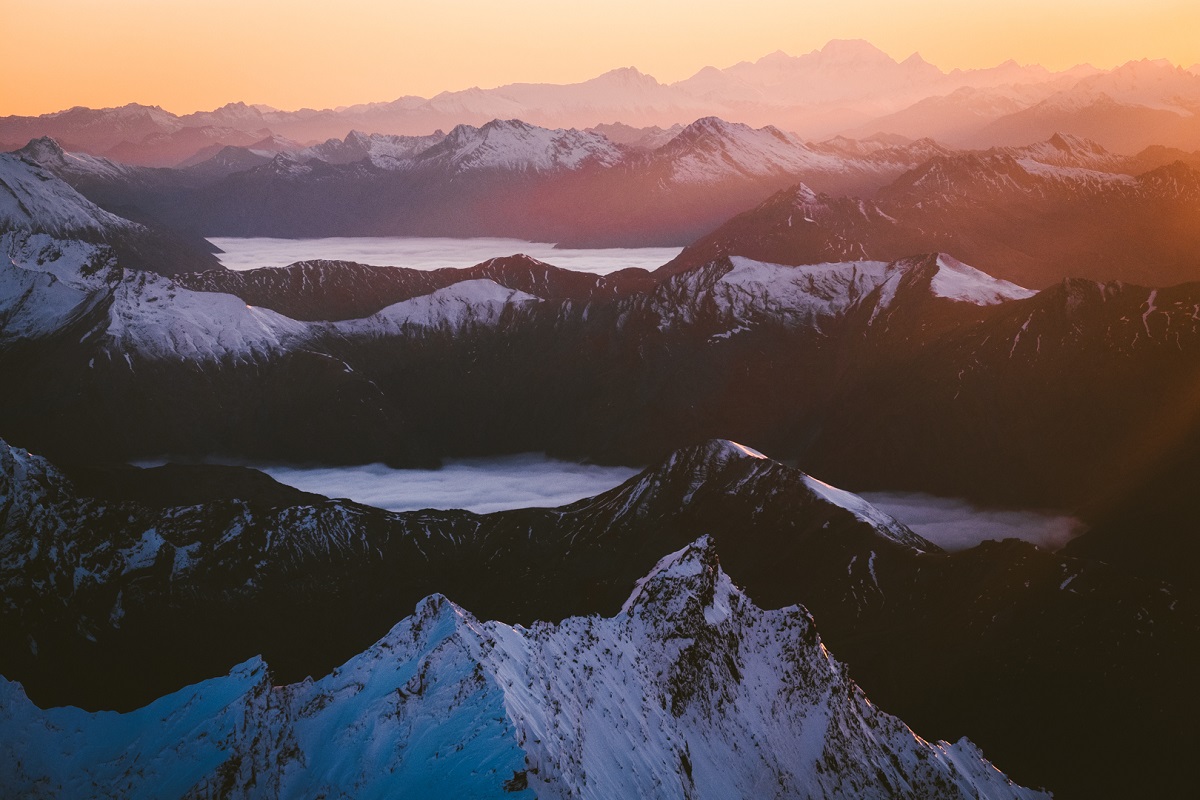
{"points": [[1064, 208], [160, 577], [1061, 208], [1016, 325], [848, 86], [672, 697], [816, 362]]}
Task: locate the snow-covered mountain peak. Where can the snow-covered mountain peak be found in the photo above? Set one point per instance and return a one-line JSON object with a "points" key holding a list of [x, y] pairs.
{"points": [[514, 145], [678, 580], [810, 296], [711, 150], [1147, 83], [692, 691], [43, 150], [1070, 152], [714, 125], [480, 302], [955, 280], [713, 453], [720, 465], [884, 524], [943, 276], [33, 199], [801, 196], [718, 129], [358, 138], [154, 318]]}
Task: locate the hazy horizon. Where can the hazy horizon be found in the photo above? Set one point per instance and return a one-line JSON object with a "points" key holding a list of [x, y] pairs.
{"points": [[125, 52]]}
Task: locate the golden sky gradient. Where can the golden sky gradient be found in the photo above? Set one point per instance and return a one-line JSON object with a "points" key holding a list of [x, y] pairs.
{"points": [[187, 55]]}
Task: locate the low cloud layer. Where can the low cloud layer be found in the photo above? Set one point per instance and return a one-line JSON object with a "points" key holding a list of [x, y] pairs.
{"points": [[429, 253], [957, 525], [479, 485]]}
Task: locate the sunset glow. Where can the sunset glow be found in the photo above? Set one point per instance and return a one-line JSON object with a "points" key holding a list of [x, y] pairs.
{"points": [[188, 55]]}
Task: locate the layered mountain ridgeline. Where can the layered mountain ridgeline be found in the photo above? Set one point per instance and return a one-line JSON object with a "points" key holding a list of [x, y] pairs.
{"points": [[689, 691], [892, 375], [505, 178], [103, 562], [1064, 207], [848, 87], [1003, 642], [1031, 215]]}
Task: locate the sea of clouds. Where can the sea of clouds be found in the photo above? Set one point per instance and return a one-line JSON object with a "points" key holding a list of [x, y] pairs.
{"points": [[484, 485], [429, 253], [955, 524], [481, 485]]}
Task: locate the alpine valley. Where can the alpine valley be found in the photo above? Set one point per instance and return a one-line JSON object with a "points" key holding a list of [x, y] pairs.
{"points": [[979, 284]]}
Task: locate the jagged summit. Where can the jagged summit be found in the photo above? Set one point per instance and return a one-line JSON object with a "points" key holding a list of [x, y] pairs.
{"points": [[690, 691], [693, 572]]}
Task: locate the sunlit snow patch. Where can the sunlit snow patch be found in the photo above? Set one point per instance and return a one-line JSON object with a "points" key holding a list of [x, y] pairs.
{"points": [[957, 281]]}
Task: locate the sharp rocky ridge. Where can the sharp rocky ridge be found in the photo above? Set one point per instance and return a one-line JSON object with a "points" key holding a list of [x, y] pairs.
{"points": [[690, 691]]}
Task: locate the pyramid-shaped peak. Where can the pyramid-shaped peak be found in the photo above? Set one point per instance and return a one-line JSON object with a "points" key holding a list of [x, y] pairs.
{"points": [[678, 578], [711, 455], [773, 58], [1070, 143], [626, 75], [848, 50], [712, 126], [915, 60]]}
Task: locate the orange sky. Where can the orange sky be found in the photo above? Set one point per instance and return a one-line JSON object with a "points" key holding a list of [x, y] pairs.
{"points": [[186, 55]]}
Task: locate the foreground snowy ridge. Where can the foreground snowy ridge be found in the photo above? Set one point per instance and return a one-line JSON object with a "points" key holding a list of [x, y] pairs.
{"points": [[691, 691]]}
